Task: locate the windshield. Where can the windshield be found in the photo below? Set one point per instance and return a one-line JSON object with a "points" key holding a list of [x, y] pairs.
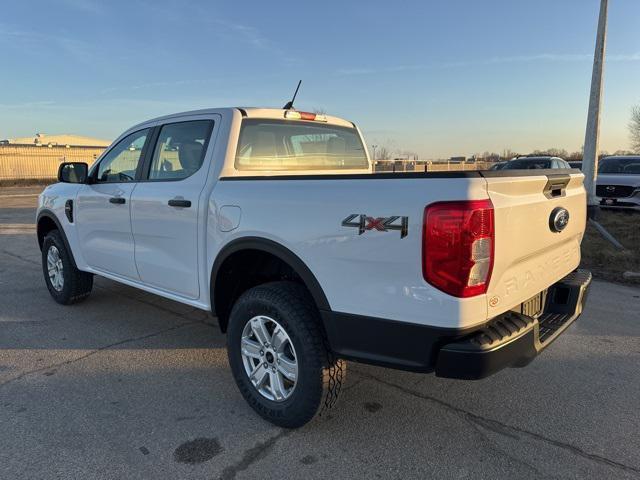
{"points": [[293, 145], [527, 163], [620, 165]]}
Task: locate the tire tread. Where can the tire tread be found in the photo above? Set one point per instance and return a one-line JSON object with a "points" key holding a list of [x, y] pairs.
{"points": [[297, 301], [81, 283]]}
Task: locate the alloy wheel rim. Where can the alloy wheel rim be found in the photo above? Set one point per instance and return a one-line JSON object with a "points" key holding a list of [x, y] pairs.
{"points": [[55, 268], [269, 358]]}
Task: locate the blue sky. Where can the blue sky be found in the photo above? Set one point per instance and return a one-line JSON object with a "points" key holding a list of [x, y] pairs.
{"points": [[437, 78]]}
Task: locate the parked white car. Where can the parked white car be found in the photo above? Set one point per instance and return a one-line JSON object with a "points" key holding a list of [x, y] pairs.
{"points": [[536, 162], [273, 220], [618, 182]]}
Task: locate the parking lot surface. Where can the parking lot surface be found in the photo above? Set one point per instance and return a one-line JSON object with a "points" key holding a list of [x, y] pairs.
{"points": [[129, 385]]}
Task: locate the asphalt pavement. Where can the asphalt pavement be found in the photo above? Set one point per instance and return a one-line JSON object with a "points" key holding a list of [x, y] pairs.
{"points": [[130, 385]]}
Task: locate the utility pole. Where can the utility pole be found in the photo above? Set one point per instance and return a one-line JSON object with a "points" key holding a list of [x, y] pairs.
{"points": [[592, 134]]}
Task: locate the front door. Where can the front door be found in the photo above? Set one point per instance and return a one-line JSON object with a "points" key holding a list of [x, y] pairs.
{"points": [[165, 206], [103, 215]]}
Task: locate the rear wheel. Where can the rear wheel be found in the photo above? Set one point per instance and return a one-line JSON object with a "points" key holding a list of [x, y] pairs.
{"points": [[65, 282], [279, 355]]}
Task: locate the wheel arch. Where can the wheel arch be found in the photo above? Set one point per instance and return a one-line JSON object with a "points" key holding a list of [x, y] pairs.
{"points": [[244, 246], [46, 222]]}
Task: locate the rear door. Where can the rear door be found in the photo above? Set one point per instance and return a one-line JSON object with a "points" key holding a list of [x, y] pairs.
{"points": [[102, 208], [165, 206], [539, 220]]}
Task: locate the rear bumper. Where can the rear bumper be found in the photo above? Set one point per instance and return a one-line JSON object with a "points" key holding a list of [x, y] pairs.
{"points": [[509, 340], [513, 339]]}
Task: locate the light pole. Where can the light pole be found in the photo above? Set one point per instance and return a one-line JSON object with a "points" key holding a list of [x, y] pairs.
{"points": [[374, 151], [592, 134]]}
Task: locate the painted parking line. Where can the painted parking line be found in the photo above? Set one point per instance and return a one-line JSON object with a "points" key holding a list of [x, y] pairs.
{"points": [[14, 195], [17, 228]]}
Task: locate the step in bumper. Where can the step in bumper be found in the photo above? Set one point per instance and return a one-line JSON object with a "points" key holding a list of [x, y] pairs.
{"points": [[513, 339]]}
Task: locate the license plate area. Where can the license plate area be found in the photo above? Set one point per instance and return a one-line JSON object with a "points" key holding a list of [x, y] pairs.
{"points": [[534, 306]]}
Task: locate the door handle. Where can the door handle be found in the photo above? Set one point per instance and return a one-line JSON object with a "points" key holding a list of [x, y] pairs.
{"points": [[179, 203], [117, 200]]}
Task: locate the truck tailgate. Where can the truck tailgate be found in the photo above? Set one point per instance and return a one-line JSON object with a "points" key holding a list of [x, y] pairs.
{"points": [[530, 254]]}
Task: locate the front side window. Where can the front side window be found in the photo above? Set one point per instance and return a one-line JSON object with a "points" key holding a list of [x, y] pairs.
{"points": [[289, 145], [180, 150], [121, 162], [630, 165]]}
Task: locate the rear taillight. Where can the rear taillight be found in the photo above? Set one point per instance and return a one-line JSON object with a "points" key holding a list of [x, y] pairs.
{"points": [[457, 246]]}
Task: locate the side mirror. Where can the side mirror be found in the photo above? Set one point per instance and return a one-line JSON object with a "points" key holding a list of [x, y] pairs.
{"points": [[73, 172]]}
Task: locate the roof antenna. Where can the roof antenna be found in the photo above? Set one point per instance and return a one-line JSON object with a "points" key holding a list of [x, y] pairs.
{"points": [[289, 105]]}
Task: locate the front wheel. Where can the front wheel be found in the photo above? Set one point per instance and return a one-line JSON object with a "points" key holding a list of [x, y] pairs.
{"points": [[279, 355], [65, 282]]}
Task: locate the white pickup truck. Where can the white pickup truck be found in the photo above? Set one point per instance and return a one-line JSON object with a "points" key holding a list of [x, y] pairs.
{"points": [[274, 221]]}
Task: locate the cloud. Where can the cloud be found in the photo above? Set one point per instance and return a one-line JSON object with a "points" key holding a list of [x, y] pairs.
{"points": [[250, 35], [622, 57], [541, 57], [88, 6], [389, 69], [254, 38], [77, 49], [9, 31], [548, 57], [149, 85], [33, 104], [357, 71], [237, 32]]}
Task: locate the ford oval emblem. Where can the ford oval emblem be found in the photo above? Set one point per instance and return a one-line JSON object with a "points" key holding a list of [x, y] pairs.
{"points": [[559, 219]]}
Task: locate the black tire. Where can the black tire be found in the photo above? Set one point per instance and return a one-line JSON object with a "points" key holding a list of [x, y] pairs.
{"points": [[77, 285], [320, 375]]}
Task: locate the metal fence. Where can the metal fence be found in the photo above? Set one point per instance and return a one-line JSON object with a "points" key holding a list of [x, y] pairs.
{"points": [[422, 166], [34, 162]]}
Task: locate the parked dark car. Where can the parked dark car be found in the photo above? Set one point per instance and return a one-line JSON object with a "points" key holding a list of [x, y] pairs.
{"points": [[497, 166], [576, 164]]}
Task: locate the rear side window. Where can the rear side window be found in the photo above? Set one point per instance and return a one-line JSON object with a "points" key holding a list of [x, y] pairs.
{"points": [[527, 164], [294, 145], [180, 149]]}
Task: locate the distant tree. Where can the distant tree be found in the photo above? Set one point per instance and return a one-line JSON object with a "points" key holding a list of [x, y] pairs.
{"points": [[489, 156], [508, 154], [623, 152], [553, 152], [574, 156], [558, 152], [634, 128], [408, 154], [383, 153]]}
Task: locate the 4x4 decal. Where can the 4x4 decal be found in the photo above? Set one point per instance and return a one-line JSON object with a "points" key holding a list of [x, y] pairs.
{"points": [[382, 224]]}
